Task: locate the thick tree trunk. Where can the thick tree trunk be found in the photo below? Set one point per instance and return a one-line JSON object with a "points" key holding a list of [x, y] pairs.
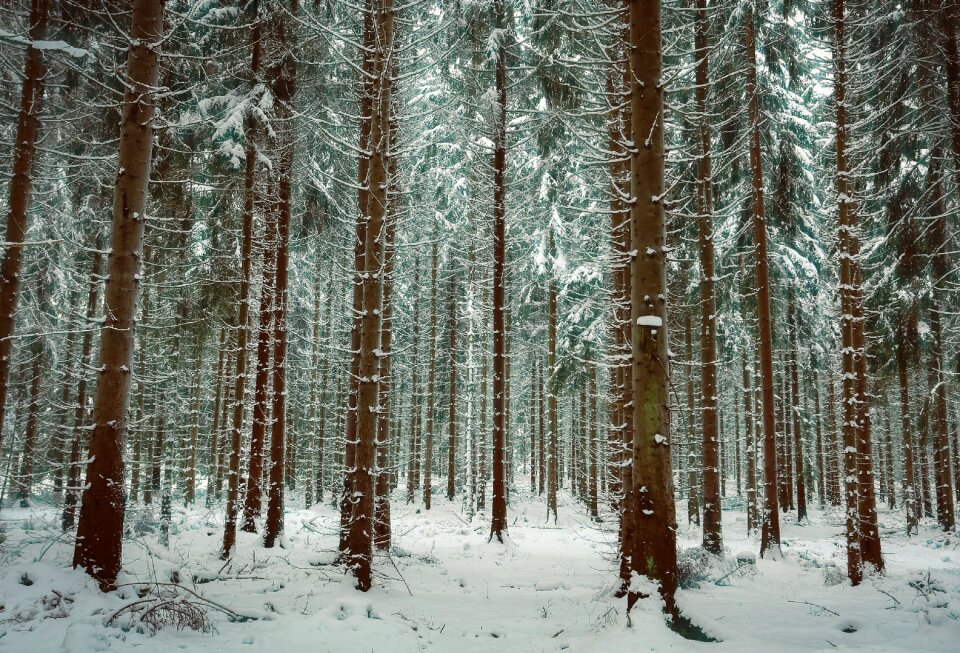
{"points": [[654, 546], [382, 533], [851, 318], [100, 526], [243, 319], [498, 522], [284, 88], [361, 475], [351, 439], [24, 153], [770, 533], [253, 501], [712, 533], [940, 252]]}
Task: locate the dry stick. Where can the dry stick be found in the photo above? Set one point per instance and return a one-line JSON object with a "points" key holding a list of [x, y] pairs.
{"points": [[231, 613], [817, 606], [390, 558]]}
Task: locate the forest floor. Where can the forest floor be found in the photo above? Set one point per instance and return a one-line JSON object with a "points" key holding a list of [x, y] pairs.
{"points": [[445, 588]]}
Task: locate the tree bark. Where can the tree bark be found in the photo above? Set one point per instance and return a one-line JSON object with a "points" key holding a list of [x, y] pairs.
{"points": [[243, 319], [794, 326], [770, 531], [748, 414], [712, 530], [284, 80], [253, 501], [100, 527], [382, 533], [498, 522], [553, 470], [654, 546], [431, 384], [24, 153], [360, 528], [452, 360]]}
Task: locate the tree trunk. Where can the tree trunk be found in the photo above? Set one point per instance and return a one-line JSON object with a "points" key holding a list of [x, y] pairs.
{"points": [[482, 433], [218, 401], [818, 421], [533, 425], [24, 153], [553, 425], [888, 447], [284, 81], [190, 482], [71, 498], [752, 508], [253, 501], [654, 546], [542, 429], [361, 475], [712, 535], [351, 439], [414, 450], [60, 438], [498, 522], [382, 534], [848, 301], [33, 417], [243, 319], [452, 353], [431, 384], [794, 326], [591, 450], [693, 477], [770, 533], [941, 265], [100, 526]]}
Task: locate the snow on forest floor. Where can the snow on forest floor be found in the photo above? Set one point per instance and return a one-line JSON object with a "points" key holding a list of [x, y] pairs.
{"points": [[445, 588]]}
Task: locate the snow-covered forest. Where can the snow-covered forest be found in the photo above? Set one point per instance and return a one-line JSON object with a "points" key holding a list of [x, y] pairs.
{"points": [[469, 325]]}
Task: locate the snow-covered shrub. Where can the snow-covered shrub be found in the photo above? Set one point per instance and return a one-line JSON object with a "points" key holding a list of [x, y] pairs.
{"points": [[694, 566], [833, 575]]}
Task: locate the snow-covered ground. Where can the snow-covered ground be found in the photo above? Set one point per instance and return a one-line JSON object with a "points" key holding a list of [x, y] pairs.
{"points": [[445, 588]]}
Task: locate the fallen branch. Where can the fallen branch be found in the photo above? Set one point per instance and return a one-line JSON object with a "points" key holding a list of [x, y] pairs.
{"points": [[233, 615], [390, 558], [836, 614]]}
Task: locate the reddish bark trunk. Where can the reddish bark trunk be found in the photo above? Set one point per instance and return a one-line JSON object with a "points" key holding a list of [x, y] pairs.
{"points": [[24, 153], [100, 527]]}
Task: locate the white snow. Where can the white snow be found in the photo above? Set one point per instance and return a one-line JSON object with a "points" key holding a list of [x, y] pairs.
{"points": [[549, 588], [653, 321]]}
